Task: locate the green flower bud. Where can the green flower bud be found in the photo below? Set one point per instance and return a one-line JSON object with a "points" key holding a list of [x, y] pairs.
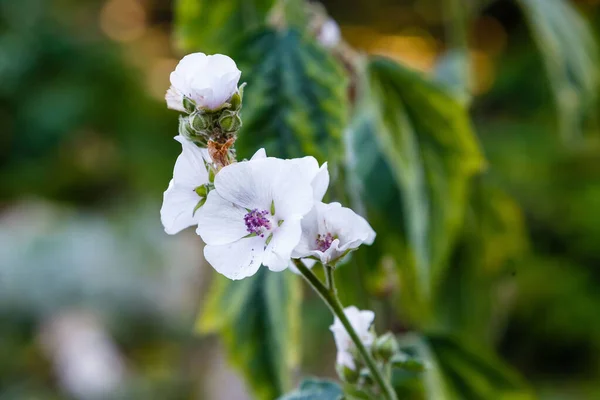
{"points": [[347, 374], [186, 130], [189, 104], [201, 190], [385, 346], [236, 100], [230, 121], [199, 122]]}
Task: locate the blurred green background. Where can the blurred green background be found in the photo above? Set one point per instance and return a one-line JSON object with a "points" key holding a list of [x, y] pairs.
{"points": [[94, 295]]}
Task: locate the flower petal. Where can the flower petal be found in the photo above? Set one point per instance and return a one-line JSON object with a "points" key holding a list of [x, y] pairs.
{"points": [[236, 260], [260, 153], [186, 70], [174, 99], [292, 193], [190, 170], [310, 230], [177, 211], [220, 221], [249, 184], [279, 250], [320, 183], [351, 228]]}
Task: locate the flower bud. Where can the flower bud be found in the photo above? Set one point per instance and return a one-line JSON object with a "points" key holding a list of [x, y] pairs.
{"points": [[189, 104], [385, 346], [199, 121], [347, 374], [201, 190], [236, 101], [186, 130], [230, 121]]}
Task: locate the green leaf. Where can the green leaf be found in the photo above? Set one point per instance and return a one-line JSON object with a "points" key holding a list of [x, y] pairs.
{"points": [[215, 26], [494, 237], [476, 373], [414, 152], [315, 389], [295, 103], [456, 370], [258, 320], [570, 56]]}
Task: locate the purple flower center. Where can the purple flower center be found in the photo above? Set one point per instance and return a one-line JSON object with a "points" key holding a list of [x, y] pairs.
{"points": [[257, 222], [324, 241]]}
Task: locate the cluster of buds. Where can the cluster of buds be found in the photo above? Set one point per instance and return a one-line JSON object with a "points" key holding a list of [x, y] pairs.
{"points": [[205, 89], [384, 349], [203, 125]]}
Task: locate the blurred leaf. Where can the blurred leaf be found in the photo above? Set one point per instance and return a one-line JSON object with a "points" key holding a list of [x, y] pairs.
{"points": [[456, 370], [258, 319], [570, 56], [295, 102], [315, 389], [215, 26], [494, 238], [474, 373], [414, 152]]}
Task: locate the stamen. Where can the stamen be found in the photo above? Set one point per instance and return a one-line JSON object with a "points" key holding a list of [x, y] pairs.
{"points": [[324, 241], [257, 222]]}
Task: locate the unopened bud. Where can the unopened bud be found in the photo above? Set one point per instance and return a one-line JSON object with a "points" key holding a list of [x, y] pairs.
{"points": [[347, 374], [230, 121], [201, 190], [236, 101], [385, 346], [199, 122], [186, 130], [189, 104]]}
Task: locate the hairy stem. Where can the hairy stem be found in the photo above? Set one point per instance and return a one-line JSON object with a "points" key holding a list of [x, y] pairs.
{"points": [[329, 296]]}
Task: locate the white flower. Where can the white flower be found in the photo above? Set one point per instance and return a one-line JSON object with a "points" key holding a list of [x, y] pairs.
{"points": [[361, 321], [329, 35], [319, 183], [330, 231], [253, 216], [180, 198], [319, 178], [209, 81]]}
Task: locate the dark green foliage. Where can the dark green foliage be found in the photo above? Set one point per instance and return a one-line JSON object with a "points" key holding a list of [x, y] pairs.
{"points": [[63, 134], [295, 101], [258, 319], [570, 56], [214, 26], [414, 153], [457, 370], [473, 373]]}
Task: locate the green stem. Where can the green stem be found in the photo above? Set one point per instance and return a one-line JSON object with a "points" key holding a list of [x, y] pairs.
{"points": [[329, 296], [329, 278]]}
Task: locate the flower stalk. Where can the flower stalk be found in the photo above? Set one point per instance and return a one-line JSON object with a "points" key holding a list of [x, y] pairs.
{"points": [[329, 295]]}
